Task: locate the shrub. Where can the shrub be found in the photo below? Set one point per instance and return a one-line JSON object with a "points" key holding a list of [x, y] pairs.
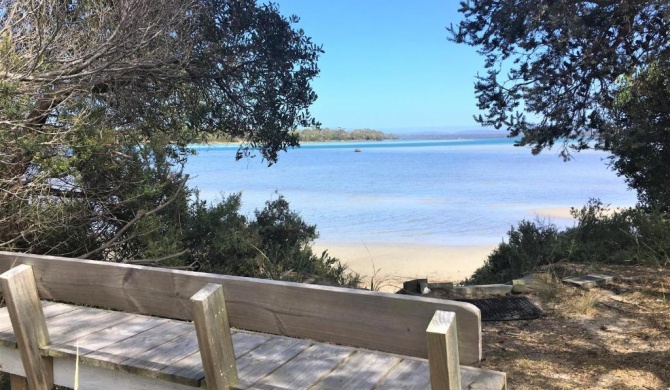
{"points": [[276, 245], [628, 236], [530, 245]]}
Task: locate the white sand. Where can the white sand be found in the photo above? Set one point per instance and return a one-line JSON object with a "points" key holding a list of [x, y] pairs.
{"points": [[553, 212], [395, 263]]}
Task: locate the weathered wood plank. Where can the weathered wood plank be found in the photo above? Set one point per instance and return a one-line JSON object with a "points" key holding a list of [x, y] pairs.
{"points": [[481, 379], [363, 370], [414, 374], [97, 378], [89, 377], [25, 312], [408, 375], [244, 342], [214, 337], [5, 322], [113, 355], [50, 309], [78, 326], [306, 369], [188, 370], [191, 366], [53, 309], [150, 363], [107, 336], [442, 341], [372, 320], [265, 359]]}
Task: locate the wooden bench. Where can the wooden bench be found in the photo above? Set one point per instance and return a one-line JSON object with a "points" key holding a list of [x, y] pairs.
{"points": [[284, 335]]}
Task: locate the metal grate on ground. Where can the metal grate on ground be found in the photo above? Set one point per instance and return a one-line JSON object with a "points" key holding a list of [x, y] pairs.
{"points": [[506, 308]]}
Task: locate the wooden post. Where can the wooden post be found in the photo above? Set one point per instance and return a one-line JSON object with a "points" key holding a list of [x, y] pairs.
{"points": [[25, 311], [445, 372], [214, 338]]}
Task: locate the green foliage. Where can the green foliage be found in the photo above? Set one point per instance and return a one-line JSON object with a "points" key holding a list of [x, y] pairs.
{"points": [[627, 236], [582, 74], [641, 146], [100, 100], [530, 245], [276, 245]]}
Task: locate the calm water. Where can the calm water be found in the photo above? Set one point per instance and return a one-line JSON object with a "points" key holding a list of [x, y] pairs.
{"points": [[437, 192]]}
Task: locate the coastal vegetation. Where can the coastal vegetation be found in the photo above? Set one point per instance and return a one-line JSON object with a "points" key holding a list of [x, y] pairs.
{"points": [[99, 102], [318, 134], [562, 86], [631, 236], [339, 134]]}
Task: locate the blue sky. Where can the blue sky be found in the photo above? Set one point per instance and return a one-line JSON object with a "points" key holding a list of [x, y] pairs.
{"points": [[388, 64]]}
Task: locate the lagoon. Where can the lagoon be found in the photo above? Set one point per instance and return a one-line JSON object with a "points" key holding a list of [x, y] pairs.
{"points": [[412, 194], [439, 192]]}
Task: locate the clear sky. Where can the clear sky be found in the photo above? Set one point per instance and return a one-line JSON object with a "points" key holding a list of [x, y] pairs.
{"points": [[388, 64]]}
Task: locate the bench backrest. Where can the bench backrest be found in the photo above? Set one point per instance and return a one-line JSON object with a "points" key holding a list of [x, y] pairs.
{"points": [[378, 321]]}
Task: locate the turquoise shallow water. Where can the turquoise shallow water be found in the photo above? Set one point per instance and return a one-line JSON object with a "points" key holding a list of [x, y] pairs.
{"points": [[459, 192]]}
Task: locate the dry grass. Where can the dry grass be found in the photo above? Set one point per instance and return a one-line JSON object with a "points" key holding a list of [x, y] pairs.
{"points": [[615, 337]]}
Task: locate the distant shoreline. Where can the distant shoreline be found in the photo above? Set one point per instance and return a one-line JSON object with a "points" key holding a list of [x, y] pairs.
{"points": [[373, 136], [400, 138]]}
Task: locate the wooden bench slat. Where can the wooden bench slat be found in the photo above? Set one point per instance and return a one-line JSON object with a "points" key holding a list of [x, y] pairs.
{"points": [[191, 366], [362, 370], [50, 309], [164, 354], [112, 355], [245, 342], [263, 360], [70, 332], [306, 369], [151, 362], [409, 375], [108, 336]]}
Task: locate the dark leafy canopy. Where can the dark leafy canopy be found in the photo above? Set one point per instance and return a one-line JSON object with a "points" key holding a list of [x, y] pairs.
{"points": [[566, 63], [100, 99]]}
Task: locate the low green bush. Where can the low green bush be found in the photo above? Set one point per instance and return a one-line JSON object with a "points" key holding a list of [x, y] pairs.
{"points": [[277, 244], [600, 235]]}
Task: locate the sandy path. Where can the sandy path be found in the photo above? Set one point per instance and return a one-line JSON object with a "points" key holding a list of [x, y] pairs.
{"points": [[398, 262]]}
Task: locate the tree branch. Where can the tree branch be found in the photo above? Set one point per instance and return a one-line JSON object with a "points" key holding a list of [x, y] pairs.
{"points": [[141, 214]]}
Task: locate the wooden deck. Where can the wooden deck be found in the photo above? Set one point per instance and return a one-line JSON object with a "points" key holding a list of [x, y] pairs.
{"points": [[153, 347]]}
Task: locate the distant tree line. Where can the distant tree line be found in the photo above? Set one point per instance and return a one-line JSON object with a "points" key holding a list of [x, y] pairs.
{"points": [[316, 134], [339, 134]]}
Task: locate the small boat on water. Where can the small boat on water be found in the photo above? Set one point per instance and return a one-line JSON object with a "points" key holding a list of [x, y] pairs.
{"points": [[357, 150]]}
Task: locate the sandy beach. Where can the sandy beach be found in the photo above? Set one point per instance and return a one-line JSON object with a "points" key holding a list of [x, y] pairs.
{"points": [[389, 264], [395, 263]]}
